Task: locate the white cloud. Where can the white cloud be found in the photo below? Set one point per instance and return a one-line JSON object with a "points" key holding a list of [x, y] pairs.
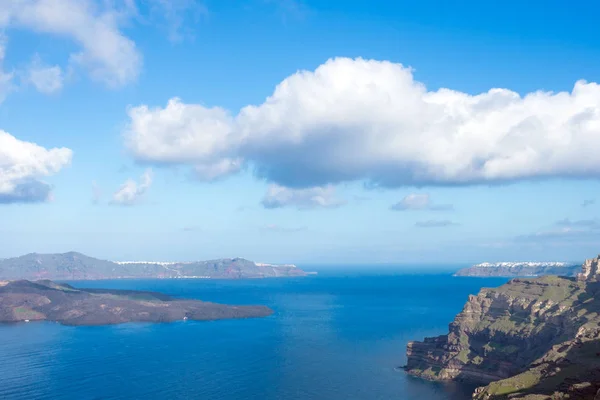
{"points": [[180, 133], [419, 201], [302, 199], [23, 165], [131, 192], [355, 119], [104, 50], [46, 79]]}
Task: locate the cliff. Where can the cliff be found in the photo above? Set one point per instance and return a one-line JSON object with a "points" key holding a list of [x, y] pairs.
{"points": [[62, 303], [520, 269], [528, 339], [590, 270], [77, 266]]}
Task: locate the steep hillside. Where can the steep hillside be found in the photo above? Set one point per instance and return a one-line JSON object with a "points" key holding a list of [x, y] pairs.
{"points": [[530, 338]]}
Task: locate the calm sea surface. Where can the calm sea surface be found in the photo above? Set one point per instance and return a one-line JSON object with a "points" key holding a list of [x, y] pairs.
{"points": [[338, 335]]}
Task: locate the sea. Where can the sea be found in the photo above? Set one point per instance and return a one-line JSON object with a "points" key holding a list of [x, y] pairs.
{"points": [[340, 334]]}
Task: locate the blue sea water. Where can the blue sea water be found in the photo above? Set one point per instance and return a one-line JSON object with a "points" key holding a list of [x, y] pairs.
{"points": [[339, 335]]}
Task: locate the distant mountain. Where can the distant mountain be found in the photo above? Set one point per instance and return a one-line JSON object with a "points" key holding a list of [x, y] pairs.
{"points": [[523, 269], [77, 266]]}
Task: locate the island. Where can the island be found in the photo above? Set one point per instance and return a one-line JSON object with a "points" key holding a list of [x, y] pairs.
{"points": [[77, 266], [515, 269], [45, 300], [530, 339]]}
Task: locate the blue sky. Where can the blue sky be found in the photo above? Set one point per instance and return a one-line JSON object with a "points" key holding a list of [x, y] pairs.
{"points": [[300, 131]]}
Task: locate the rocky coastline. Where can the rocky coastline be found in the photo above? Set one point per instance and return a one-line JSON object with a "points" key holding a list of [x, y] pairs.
{"points": [[532, 338]]}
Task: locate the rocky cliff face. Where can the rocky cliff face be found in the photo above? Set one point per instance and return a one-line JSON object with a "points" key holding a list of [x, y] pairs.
{"points": [[530, 337], [590, 270]]}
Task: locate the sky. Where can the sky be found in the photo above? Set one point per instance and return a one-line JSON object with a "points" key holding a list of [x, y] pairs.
{"points": [[338, 132]]}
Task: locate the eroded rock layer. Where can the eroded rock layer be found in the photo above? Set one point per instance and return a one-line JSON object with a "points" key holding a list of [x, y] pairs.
{"points": [[530, 339]]}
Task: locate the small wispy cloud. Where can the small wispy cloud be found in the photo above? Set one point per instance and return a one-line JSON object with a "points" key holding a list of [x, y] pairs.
{"points": [[360, 199], [495, 245], [178, 16], [565, 230], [96, 193], [290, 9], [47, 79], [582, 223], [131, 192], [419, 202], [282, 229], [434, 223], [588, 202], [303, 199]]}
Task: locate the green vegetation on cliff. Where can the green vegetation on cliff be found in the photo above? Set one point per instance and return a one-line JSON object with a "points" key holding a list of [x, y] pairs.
{"points": [[528, 339]]}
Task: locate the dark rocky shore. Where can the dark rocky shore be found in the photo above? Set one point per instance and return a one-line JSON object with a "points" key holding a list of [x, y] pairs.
{"points": [[50, 301]]}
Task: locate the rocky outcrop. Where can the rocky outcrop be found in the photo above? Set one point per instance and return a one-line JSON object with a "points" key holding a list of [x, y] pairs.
{"points": [[569, 370], [528, 339], [590, 270]]}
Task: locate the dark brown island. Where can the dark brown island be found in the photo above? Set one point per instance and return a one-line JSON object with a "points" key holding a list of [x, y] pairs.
{"points": [[530, 339], [24, 300]]}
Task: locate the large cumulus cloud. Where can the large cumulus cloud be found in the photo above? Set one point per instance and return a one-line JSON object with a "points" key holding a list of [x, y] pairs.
{"points": [[356, 119], [23, 165]]}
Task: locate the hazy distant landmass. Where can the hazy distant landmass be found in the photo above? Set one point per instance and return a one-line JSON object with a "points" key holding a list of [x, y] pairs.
{"points": [[524, 269], [77, 266], [46, 300]]}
